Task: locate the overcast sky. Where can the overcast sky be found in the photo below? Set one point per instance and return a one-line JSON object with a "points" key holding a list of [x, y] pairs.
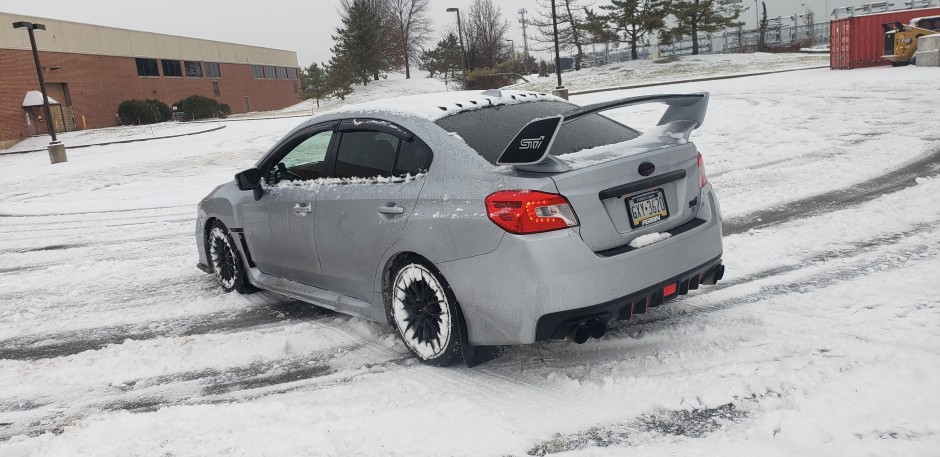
{"points": [[302, 26]]}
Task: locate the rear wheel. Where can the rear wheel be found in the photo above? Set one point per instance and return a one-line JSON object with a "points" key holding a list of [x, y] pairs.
{"points": [[225, 261], [423, 310]]}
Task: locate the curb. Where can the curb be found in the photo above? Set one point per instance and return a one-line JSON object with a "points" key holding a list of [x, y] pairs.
{"points": [[119, 142], [694, 80]]}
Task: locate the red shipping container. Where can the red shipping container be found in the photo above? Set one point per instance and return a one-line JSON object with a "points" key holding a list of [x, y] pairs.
{"points": [[857, 42]]}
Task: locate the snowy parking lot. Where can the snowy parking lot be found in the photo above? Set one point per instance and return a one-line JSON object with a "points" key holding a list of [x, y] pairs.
{"points": [[823, 338]]}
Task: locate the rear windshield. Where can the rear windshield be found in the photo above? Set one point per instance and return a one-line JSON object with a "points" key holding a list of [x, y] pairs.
{"points": [[489, 130]]}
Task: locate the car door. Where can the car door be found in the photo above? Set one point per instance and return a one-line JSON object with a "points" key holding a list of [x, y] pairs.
{"points": [[279, 227], [359, 220]]}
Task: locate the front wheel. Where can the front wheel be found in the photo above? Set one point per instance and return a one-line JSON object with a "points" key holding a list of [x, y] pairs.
{"points": [[423, 310], [225, 261]]}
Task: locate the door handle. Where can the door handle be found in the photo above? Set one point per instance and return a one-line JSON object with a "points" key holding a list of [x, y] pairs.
{"points": [[302, 209], [391, 208]]}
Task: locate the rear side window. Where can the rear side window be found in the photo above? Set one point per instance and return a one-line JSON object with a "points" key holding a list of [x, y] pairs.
{"points": [[413, 158], [489, 130], [366, 155]]}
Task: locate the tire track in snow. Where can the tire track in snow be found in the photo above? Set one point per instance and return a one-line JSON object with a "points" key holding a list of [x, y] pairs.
{"points": [[272, 309], [816, 205], [821, 280], [312, 371]]}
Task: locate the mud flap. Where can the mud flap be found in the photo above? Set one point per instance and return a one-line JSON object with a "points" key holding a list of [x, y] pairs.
{"points": [[475, 355]]}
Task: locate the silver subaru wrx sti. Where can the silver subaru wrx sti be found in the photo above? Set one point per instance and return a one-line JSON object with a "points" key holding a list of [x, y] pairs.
{"points": [[469, 220]]}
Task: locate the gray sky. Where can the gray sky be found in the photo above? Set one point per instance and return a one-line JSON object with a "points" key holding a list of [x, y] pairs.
{"points": [[303, 26]]}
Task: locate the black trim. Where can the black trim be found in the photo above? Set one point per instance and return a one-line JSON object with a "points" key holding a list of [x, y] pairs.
{"points": [[624, 189], [675, 231], [556, 325], [375, 125]]}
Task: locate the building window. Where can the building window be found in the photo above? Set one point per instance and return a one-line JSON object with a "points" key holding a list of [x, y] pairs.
{"points": [[269, 72], [281, 73], [212, 70], [258, 70], [147, 67], [292, 73], [215, 89], [172, 68], [193, 69]]}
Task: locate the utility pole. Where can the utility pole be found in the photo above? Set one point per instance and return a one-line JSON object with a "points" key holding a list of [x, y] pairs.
{"points": [[525, 40], [560, 90]]}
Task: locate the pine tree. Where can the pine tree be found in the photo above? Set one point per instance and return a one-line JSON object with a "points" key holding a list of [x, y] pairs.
{"points": [[340, 78], [709, 16], [636, 19], [443, 59], [314, 83], [358, 47]]}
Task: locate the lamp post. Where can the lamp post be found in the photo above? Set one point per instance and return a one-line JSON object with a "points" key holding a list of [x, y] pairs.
{"points": [[56, 149], [757, 14], [560, 90], [512, 53], [463, 52]]}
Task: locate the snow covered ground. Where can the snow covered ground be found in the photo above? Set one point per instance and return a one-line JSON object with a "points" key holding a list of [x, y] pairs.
{"points": [[823, 338], [112, 134], [674, 69]]}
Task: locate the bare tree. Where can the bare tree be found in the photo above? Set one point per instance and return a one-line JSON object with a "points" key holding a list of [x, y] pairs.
{"points": [[485, 32], [571, 23], [412, 28], [809, 22]]}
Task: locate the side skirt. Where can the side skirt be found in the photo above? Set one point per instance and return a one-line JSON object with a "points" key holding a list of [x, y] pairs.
{"points": [[310, 294]]}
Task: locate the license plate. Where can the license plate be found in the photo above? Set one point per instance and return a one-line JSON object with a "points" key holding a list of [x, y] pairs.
{"points": [[647, 208]]}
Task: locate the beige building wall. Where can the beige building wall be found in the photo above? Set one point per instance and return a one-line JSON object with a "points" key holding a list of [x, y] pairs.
{"points": [[74, 37]]}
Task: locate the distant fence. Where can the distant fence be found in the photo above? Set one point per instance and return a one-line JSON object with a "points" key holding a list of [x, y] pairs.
{"points": [[778, 35]]}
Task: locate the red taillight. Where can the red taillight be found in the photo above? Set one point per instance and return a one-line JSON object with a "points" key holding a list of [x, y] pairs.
{"points": [[702, 177], [529, 211]]}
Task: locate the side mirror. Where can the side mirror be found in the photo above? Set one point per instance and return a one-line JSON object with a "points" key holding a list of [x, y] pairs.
{"points": [[248, 179]]}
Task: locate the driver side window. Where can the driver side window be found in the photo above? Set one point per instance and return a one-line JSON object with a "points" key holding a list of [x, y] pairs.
{"points": [[306, 161]]}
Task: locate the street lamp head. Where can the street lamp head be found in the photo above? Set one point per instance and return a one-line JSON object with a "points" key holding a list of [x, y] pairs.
{"points": [[453, 10], [28, 25]]}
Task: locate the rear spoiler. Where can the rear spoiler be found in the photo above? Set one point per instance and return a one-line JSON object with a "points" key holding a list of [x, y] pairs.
{"points": [[529, 150]]}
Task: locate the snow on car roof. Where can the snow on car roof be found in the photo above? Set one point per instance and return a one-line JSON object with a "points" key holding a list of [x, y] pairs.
{"points": [[442, 104]]}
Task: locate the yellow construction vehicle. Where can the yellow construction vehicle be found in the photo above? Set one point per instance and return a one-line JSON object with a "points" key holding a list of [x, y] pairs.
{"points": [[901, 40]]}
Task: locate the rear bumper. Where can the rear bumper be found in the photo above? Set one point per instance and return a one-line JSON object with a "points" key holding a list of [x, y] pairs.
{"points": [[532, 285], [556, 325]]}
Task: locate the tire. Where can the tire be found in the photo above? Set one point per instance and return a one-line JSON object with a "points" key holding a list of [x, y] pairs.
{"points": [[225, 261], [898, 64], [422, 308]]}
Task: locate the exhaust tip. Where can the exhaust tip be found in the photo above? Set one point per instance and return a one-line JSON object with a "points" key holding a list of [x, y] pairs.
{"points": [[579, 334], [598, 328], [714, 275]]}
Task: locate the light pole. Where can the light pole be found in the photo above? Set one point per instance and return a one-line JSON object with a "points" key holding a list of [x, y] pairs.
{"points": [[560, 90], [757, 14], [463, 52], [56, 149], [512, 52]]}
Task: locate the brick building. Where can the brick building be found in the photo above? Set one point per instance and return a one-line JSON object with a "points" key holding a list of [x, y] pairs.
{"points": [[89, 70]]}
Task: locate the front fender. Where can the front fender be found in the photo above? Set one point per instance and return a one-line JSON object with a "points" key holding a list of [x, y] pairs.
{"points": [[223, 204]]}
